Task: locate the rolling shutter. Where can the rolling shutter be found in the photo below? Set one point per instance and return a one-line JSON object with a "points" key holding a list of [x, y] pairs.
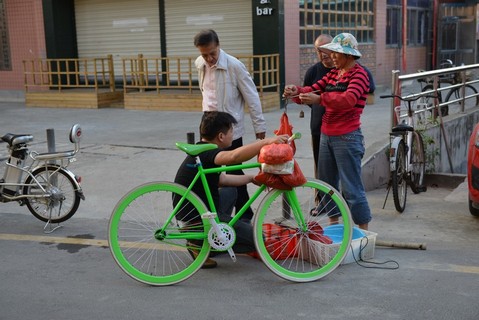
{"points": [[121, 28], [232, 20]]}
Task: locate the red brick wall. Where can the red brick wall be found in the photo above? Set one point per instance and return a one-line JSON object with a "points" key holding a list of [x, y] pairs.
{"points": [[27, 39]]}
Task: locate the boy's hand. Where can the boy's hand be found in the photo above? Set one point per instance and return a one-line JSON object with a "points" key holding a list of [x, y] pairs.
{"points": [[282, 138]]}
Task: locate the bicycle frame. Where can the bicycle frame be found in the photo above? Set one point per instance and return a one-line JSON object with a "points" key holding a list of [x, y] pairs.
{"points": [[28, 170], [38, 161], [402, 135], [201, 174]]}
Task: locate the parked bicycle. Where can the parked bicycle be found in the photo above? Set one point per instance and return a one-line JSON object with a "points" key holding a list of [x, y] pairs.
{"points": [[50, 191], [151, 245], [406, 155], [454, 96]]}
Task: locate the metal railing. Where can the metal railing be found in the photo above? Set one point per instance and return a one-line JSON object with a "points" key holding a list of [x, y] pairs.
{"points": [[429, 111], [441, 81], [158, 73], [91, 73]]}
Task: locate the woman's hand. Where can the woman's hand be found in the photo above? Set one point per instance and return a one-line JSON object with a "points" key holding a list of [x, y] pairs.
{"points": [[290, 90], [309, 98]]}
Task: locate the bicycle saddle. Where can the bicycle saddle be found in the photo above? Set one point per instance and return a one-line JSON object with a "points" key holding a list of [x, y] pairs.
{"points": [[14, 139], [402, 127], [195, 149]]}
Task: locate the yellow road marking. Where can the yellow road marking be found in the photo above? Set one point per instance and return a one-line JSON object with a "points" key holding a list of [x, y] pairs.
{"points": [[49, 239], [87, 242], [449, 268]]}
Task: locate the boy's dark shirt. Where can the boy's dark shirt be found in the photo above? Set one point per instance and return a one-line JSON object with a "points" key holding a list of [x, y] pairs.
{"points": [[187, 172]]}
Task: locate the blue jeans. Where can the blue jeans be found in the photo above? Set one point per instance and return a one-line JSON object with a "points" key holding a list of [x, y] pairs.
{"points": [[340, 162]]}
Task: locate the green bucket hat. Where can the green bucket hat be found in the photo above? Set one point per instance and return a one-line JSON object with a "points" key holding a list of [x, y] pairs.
{"points": [[343, 43]]}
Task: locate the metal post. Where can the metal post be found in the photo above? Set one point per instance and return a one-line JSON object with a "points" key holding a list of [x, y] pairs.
{"points": [[395, 90], [51, 140], [190, 137]]}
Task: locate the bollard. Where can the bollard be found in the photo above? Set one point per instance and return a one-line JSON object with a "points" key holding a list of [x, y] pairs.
{"points": [[51, 149], [190, 137], [51, 140]]}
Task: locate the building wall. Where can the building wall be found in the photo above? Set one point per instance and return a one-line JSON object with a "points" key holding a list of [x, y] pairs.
{"points": [[291, 42], [27, 39]]}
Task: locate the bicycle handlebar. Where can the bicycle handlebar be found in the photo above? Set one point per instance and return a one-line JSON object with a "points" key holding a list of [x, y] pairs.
{"points": [[296, 135], [408, 98]]}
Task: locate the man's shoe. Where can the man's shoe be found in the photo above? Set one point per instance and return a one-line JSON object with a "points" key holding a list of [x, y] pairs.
{"points": [[209, 263]]}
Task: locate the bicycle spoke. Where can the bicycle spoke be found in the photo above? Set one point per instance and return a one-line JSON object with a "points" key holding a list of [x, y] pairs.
{"points": [[296, 252]]}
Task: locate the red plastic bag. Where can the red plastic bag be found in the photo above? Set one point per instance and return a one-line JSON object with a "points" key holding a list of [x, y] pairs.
{"points": [[295, 179], [286, 128], [316, 233], [282, 181], [281, 242], [275, 153], [271, 180]]}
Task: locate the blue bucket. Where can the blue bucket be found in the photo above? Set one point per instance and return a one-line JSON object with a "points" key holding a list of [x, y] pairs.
{"points": [[335, 232]]}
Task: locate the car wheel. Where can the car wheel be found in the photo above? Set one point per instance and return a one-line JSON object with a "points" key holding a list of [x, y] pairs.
{"points": [[474, 208]]}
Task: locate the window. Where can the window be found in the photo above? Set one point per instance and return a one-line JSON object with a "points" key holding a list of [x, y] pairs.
{"points": [[393, 25], [325, 16], [5, 62], [416, 27], [417, 22]]}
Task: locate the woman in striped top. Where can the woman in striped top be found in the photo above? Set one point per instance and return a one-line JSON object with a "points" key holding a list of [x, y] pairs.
{"points": [[343, 93]]}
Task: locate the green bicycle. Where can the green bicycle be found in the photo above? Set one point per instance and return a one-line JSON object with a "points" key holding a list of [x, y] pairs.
{"points": [[153, 246]]}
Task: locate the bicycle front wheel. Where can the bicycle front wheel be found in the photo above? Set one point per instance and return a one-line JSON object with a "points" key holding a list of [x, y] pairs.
{"points": [[455, 98], [418, 164], [144, 253], [63, 198], [398, 179], [289, 226]]}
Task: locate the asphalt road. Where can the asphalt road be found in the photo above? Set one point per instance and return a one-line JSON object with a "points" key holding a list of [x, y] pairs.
{"points": [[70, 274]]}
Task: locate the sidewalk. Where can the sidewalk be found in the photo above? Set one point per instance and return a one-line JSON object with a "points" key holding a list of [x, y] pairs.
{"points": [[124, 148]]}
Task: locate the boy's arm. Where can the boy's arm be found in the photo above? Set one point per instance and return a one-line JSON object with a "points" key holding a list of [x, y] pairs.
{"points": [[233, 180], [246, 152]]}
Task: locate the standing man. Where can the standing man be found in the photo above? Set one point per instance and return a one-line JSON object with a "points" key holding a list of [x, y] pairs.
{"points": [[315, 73], [227, 86]]}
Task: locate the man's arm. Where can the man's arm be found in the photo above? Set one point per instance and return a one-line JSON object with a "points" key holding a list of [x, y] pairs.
{"points": [[250, 95]]}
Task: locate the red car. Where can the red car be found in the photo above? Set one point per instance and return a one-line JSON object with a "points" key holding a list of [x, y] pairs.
{"points": [[473, 171]]}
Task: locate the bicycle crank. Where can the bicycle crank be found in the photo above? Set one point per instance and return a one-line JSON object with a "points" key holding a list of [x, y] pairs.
{"points": [[223, 239]]}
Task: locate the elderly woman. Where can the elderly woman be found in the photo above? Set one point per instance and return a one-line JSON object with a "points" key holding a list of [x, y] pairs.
{"points": [[343, 92]]}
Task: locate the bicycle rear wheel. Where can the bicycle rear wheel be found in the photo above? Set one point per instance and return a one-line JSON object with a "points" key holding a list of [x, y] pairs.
{"points": [[398, 178], [418, 164], [63, 199], [298, 254], [430, 101], [456, 94], [161, 259]]}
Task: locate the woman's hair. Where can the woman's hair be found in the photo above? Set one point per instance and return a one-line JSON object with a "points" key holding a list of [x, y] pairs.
{"points": [[215, 122], [205, 37]]}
